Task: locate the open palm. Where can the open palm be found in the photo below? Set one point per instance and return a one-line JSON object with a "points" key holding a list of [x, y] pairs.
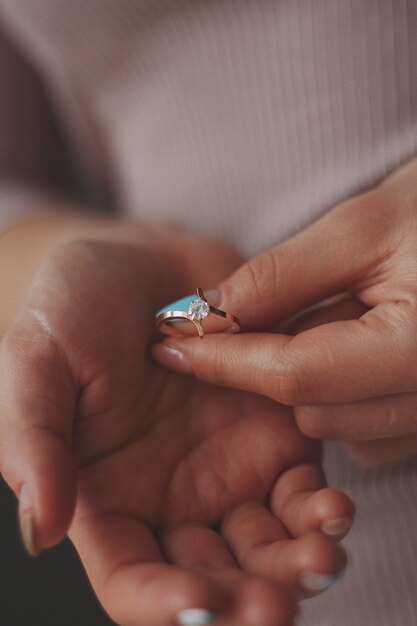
{"points": [[186, 495]]}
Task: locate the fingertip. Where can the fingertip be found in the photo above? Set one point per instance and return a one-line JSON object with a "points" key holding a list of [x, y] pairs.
{"points": [[316, 552], [47, 493], [288, 561], [262, 601], [314, 582], [158, 593], [332, 511], [337, 528], [172, 357], [301, 499], [57, 495], [231, 360], [27, 523]]}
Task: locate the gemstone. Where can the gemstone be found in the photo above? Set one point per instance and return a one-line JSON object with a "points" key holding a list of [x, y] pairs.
{"points": [[198, 309]]}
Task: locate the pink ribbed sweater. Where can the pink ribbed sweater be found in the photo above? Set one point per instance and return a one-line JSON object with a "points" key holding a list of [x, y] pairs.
{"points": [[247, 119]]}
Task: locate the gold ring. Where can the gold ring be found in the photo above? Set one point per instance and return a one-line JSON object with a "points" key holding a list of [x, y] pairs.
{"points": [[194, 315]]}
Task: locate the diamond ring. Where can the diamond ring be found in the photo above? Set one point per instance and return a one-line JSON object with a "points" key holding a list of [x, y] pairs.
{"points": [[192, 315]]}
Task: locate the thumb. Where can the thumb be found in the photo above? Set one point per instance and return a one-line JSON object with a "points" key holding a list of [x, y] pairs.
{"points": [[37, 405], [326, 258]]}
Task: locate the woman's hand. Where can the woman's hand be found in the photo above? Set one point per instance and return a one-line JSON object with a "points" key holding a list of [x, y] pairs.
{"points": [[185, 495], [351, 373]]}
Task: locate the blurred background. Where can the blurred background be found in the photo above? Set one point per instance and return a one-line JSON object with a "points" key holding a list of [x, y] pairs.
{"points": [[49, 590]]}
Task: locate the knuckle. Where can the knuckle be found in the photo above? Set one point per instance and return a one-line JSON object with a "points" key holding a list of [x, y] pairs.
{"points": [[289, 386], [262, 274], [296, 384], [395, 324], [406, 340], [373, 208]]}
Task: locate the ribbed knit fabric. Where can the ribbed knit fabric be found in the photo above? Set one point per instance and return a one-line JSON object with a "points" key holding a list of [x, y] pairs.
{"points": [[379, 587], [246, 119]]}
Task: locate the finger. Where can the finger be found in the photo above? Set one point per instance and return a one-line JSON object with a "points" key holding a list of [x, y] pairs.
{"points": [[390, 450], [256, 600], [376, 418], [328, 257], [193, 545], [199, 547], [341, 361], [334, 309], [130, 576], [37, 406], [262, 545], [302, 501], [136, 586]]}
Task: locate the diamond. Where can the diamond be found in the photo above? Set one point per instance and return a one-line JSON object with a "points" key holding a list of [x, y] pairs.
{"points": [[198, 309]]}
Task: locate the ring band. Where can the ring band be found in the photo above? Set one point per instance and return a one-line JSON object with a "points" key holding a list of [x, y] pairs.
{"points": [[194, 315]]}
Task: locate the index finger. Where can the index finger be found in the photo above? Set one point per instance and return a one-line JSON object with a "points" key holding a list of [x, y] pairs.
{"points": [[341, 361]]}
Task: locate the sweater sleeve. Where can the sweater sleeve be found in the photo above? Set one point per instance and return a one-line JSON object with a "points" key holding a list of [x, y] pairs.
{"points": [[34, 164]]}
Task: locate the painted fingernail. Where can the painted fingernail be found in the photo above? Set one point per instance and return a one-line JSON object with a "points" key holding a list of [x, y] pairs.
{"points": [[173, 358], [213, 297], [27, 521], [335, 527], [318, 582], [196, 617]]}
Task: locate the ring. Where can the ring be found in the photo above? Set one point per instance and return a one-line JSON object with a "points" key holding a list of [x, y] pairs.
{"points": [[192, 315]]}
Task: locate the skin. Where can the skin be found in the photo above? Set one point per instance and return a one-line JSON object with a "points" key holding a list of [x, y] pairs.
{"points": [[338, 306], [175, 493]]}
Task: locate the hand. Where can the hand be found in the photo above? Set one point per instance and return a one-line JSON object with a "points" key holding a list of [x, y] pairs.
{"points": [[351, 374], [172, 474], [366, 452]]}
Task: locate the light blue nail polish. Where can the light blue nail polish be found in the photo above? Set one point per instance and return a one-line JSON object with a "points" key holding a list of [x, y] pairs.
{"points": [[319, 582], [334, 579], [196, 617]]}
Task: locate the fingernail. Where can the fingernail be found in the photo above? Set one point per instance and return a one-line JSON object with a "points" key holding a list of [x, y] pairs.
{"points": [[335, 527], [173, 358], [318, 582], [196, 617], [213, 297], [27, 521]]}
